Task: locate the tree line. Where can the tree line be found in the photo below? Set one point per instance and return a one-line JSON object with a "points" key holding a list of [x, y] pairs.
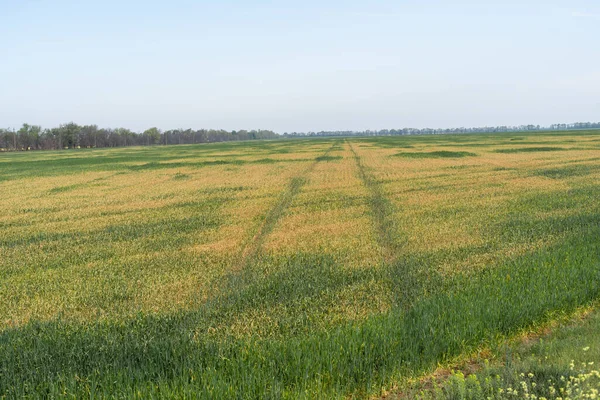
{"points": [[72, 135], [425, 131]]}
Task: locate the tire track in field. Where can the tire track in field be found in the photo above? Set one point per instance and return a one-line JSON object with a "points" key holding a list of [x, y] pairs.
{"points": [[382, 213], [252, 248], [405, 274]]}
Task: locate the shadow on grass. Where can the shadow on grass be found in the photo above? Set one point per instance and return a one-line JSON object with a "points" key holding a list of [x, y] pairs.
{"points": [[175, 354], [436, 154], [568, 171], [529, 150], [203, 215]]}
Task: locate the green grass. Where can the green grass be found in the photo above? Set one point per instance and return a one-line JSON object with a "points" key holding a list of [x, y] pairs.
{"points": [[437, 154], [530, 149], [216, 271], [568, 171], [177, 354], [543, 367], [329, 158]]}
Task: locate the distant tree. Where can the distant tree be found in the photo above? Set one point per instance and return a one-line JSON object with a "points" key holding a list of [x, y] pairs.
{"points": [[68, 134], [14, 139], [29, 136], [72, 135], [152, 136], [201, 136], [88, 136], [124, 136], [188, 136], [168, 136], [6, 139]]}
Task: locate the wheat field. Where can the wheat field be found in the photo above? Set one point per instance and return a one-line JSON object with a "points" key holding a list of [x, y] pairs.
{"points": [[306, 268]]}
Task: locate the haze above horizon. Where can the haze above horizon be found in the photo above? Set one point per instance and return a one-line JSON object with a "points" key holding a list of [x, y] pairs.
{"points": [[299, 66]]}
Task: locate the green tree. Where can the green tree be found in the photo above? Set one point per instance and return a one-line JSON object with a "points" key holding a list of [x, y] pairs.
{"points": [[29, 136], [152, 135], [125, 135], [68, 135]]}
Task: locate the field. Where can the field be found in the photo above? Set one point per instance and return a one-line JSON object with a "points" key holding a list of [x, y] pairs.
{"points": [[317, 268], [562, 363]]}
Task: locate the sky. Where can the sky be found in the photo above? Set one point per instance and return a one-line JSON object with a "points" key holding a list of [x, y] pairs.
{"points": [[299, 65]]}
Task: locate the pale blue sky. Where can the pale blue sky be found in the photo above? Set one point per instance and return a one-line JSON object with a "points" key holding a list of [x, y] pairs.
{"points": [[299, 65]]}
